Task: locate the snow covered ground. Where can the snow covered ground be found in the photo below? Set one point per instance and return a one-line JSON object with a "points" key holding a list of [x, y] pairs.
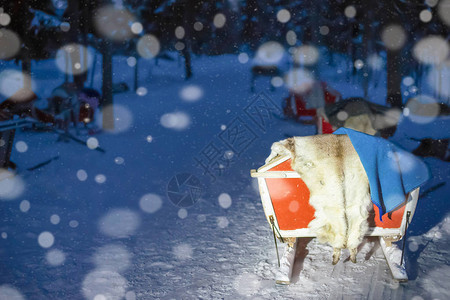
{"points": [[102, 225]]}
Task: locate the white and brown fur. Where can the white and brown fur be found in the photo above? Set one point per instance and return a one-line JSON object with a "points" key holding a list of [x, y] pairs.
{"points": [[338, 184]]}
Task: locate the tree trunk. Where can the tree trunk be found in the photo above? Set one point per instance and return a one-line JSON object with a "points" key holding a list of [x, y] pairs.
{"points": [[394, 79], [107, 104]]}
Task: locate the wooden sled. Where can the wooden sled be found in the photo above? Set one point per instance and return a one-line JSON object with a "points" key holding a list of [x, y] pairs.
{"points": [[285, 199]]}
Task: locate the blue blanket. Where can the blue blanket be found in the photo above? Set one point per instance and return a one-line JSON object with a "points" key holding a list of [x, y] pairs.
{"points": [[392, 171]]}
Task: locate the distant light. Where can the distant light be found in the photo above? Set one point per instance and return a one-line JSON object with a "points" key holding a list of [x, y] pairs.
{"points": [[393, 37], [198, 26], [425, 16], [283, 16], [219, 20], [243, 58], [291, 38], [350, 11], [137, 28], [324, 30], [179, 32], [149, 138], [359, 64]]}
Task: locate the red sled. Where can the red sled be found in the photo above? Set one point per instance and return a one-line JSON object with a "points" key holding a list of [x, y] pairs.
{"points": [[285, 199], [295, 107]]}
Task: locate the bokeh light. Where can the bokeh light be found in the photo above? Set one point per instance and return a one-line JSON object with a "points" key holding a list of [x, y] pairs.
{"points": [[183, 251], [148, 46], [425, 16], [21, 146], [137, 28], [393, 37], [5, 19], [243, 58], [150, 203], [198, 26], [225, 200], [222, 222], [141, 91], [119, 160], [24, 206], [46, 239], [114, 23], [70, 59], [299, 80], [437, 77], [11, 185], [444, 11], [350, 11], [182, 213], [423, 109], [92, 143], [324, 30], [55, 219], [431, 50], [180, 32], [219, 20], [247, 284], [100, 178], [131, 61], [305, 55], [191, 93], [408, 81], [176, 120], [269, 53], [123, 119], [8, 292], [104, 284], [113, 257], [74, 223], [283, 15], [9, 44], [375, 62], [119, 223], [55, 257], [82, 175], [291, 37], [13, 81]]}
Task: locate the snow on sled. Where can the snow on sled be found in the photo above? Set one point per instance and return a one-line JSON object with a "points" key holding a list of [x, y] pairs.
{"points": [[286, 202]]}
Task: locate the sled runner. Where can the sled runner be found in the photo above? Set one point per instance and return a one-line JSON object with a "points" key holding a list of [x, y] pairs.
{"points": [[285, 199]]}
